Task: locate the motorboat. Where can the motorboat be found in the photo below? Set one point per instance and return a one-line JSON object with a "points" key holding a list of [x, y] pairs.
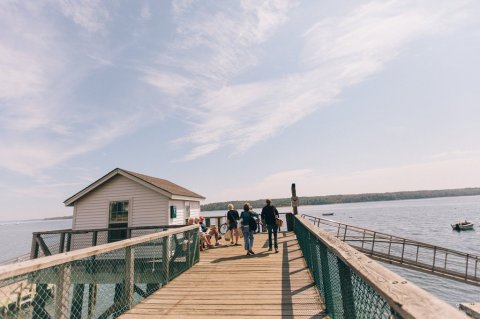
{"points": [[327, 214], [466, 225]]}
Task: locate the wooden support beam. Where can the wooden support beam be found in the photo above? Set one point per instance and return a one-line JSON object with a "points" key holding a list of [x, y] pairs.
{"points": [[39, 302], [92, 300], [43, 246]]}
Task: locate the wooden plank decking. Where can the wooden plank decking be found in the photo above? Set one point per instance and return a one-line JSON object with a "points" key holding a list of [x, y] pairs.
{"points": [[227, 283]]}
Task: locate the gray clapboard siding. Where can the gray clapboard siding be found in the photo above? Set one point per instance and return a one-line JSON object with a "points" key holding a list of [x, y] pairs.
{"points": [[146, 207]]}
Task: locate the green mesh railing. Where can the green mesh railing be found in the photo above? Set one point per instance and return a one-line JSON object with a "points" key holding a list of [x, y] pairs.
{"points": [[347, 294], [98, 282]]}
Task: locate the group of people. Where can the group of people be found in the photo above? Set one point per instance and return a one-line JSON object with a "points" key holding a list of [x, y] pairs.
{"points": [[248, 220], [206, 234]]}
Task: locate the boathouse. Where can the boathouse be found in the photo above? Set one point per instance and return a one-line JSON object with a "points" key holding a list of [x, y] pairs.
{"points": [[127, 199]]}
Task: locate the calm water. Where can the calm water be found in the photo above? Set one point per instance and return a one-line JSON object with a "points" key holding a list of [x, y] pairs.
{"points": [[426, 220], [16, 237]]}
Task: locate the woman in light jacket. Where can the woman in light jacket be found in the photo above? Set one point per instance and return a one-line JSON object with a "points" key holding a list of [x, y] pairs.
{"points": [[247, 218]]}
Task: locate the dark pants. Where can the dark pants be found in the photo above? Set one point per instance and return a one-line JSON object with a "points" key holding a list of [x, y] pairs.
{"points": [[272, 229]]}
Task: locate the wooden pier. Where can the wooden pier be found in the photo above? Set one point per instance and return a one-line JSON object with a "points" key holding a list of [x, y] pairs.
{"points": [[227, 283], [314, 275]]}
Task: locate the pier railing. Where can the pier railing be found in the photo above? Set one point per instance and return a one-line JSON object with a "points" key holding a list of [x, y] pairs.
{"points": [[405, 252], [52, 242], [97, 282], [354, 286], [221, 219]]}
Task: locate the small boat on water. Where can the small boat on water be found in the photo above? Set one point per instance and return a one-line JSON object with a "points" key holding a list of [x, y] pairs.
{"points": [[327, 214], [466, 225]]}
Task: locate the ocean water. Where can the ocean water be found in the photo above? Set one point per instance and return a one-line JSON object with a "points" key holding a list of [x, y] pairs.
{"points": [[16, 236], [426, 220]]}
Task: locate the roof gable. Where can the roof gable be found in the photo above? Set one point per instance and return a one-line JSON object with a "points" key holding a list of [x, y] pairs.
{"points": [[162, 186]]}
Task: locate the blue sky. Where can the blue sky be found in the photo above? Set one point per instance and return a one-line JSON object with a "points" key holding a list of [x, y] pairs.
{"points": [[237, 100]]}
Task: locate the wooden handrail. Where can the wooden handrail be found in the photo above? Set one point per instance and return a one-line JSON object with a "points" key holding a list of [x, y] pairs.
{"points": [[403, 296], [26, 267], [84, 231]]}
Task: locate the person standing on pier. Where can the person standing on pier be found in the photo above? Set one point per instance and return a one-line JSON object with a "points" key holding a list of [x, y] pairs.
{"points": [[232, 219], [269, 217], [249, 223]]}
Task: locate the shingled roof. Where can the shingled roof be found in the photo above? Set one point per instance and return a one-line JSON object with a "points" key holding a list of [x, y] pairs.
{"points": [[163, 186], [168, 186]]}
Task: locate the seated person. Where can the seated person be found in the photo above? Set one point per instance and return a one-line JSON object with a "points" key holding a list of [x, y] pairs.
{"points": [[210, 232], [204, 238]]}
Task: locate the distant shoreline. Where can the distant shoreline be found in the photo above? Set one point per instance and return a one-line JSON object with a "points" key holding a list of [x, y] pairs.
{"points": [[55, 218], [353, 198]]}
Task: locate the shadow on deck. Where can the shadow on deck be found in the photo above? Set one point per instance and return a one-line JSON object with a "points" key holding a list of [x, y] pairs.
{"points": [[227, 283]]}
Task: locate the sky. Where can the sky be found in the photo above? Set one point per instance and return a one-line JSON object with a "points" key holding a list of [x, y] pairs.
{"points": [[237, 99]]}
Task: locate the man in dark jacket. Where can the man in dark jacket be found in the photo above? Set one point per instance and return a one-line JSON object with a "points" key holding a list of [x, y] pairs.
{"points": [[269, 216]]}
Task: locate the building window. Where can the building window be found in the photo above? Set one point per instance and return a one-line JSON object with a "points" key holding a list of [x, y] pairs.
{"points": [[118, 212]]}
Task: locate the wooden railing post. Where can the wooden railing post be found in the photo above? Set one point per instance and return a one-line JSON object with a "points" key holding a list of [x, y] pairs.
{"points": [[129, 276], [69, 242], [466, 267], [363, 238], [166, 259], [389, 245], [61, 245], [62, 292], [373, 243], [403, 250], [35, 247], [94, 238]]}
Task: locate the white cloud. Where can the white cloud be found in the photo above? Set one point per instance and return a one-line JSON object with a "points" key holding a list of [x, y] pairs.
{"points": [[338, 52], [91, 15], [170, 84], [41, 124]]}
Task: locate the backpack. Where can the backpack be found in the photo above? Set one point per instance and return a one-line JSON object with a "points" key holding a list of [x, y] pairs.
{"points": [[252, 224]]}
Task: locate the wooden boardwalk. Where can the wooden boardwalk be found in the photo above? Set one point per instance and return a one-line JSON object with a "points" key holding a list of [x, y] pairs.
{"points": [[227, 283]]}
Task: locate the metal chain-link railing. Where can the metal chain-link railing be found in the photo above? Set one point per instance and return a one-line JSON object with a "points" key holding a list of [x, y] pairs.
{"points": [[345, 294], [345, 291], [58, 241], [97, 282]]}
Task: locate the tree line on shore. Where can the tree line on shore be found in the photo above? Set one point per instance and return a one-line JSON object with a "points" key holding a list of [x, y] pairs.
{"points": [[353, 198]]}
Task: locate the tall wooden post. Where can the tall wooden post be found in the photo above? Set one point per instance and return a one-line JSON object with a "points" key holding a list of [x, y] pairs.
{"points": [[129, 276], [294, 200]]}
